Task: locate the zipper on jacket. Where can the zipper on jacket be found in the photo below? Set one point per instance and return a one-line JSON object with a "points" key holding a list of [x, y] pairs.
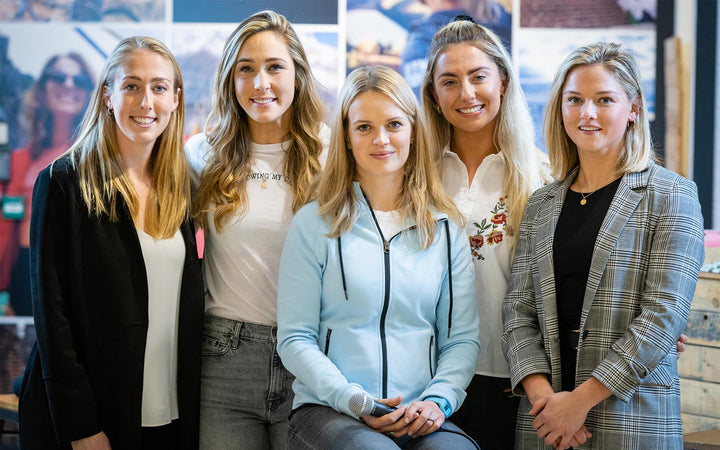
{"points": [[327, 340], [386, 298], [450, 282], [430, 354]]}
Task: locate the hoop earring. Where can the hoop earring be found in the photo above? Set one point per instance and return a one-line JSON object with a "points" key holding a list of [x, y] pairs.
{"points": [[111, 111]]}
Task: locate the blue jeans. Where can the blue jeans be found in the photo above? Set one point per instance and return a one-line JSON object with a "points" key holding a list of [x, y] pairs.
{"points": [[321, 427], [246, 392]]}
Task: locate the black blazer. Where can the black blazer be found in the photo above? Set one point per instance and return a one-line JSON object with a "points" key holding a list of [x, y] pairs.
{"points": [[90, 296]]}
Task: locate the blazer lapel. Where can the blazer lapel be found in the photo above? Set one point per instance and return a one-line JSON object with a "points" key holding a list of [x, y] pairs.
{"points": [[622, 206]]}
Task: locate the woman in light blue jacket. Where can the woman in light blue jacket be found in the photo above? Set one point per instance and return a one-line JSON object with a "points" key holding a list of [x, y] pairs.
{"points": [[376, 297]]}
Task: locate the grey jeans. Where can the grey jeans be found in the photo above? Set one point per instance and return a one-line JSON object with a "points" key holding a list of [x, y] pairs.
{"points": [[321, 427], [246, 392]]}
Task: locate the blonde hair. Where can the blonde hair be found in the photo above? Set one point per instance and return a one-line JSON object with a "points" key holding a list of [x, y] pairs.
{"points": [[421, 187], [223, 181], [96, 154], [513, 134], [637, 151]]}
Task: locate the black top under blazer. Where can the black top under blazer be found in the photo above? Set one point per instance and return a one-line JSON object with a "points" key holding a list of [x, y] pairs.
{"points": [[90, 302]]}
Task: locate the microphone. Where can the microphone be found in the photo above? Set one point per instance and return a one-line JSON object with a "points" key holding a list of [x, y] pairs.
{"points": [[361, 404]]}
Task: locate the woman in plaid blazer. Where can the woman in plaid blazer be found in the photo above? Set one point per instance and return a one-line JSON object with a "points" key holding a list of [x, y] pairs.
{"points": [[606, 266]]}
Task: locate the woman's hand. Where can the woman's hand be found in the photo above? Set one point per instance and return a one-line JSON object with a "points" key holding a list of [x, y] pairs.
{"points": [[95, 442], [423, 417], [559, 419], [680, 344], [389, 424]]}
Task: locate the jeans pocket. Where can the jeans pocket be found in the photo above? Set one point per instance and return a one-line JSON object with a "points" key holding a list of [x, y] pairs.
{"points": [[215, 343]]}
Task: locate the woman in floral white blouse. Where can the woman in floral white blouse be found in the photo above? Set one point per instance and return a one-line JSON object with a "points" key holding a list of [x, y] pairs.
{"points": [[490, 166]]}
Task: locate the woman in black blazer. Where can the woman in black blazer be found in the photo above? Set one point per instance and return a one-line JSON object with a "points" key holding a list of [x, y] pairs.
{"points": [[116, 282]]}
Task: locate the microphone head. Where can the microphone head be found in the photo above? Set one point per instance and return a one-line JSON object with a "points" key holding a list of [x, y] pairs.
{"points": [[360, 404]]}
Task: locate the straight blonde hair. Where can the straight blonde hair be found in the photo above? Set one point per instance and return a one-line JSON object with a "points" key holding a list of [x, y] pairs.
{"points": [[421, 187], [513, 135], [96, 153], [223, 181], [637, 151]]}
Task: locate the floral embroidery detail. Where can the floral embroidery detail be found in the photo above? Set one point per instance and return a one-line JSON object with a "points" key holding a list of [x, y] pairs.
{"points": [[499, 218], [489, 231], [495, 237], [476, 242]]}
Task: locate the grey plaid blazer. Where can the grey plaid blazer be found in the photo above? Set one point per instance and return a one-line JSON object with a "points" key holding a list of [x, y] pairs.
{"points": [[642, 278]]}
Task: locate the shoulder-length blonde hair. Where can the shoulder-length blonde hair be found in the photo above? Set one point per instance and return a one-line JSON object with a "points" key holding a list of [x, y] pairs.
{"points": [[223, 181], [637, 151], [421, 187], [96, 154], [513, 135]]}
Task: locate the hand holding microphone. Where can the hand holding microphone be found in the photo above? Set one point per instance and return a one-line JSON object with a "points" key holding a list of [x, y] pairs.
{"points": [[423, 419], [386, 419]]}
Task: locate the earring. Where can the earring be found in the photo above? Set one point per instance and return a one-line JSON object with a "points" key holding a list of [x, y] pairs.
{"points": [[631, 123], [437, 107], [110, 110]]}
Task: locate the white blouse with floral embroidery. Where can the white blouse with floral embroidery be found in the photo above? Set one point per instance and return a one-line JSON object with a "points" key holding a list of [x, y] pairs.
{"points": [[485, 210]]}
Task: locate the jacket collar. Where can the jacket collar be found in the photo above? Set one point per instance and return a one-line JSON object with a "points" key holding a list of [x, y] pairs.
{"points": [[409, 221], [631, 180]]}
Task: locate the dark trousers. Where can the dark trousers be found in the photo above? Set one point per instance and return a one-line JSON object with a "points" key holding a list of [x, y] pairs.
{"points": [[165, 437], [489, 413]]}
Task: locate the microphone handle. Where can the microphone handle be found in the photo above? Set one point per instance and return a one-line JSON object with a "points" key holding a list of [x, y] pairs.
{"points": [[380, 409]]}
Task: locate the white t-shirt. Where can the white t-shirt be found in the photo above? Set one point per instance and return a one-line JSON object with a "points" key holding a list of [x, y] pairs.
{"points": [[484, 207], [241, 263], [164, 262], [389, 222]]}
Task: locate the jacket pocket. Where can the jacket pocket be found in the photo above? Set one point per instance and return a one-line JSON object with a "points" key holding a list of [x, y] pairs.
{"points": [[431, 355], [661, 376], [327, 340]]}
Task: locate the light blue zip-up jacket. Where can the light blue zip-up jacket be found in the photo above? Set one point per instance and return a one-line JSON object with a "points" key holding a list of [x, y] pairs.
{"points": [[367, 313]]}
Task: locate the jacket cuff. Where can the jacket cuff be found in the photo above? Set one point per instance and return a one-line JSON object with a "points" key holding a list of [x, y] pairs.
{"points": [[343, 403], [618, 375], [73, 409]]}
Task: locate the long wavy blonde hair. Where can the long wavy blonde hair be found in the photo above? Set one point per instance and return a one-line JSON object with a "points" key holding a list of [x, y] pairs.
{"points": [[223, 181], [96, 154], [421, 187], [513, 135], [637, 150]]}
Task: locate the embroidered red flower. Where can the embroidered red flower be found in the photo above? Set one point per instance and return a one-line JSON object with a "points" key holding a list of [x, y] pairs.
{"points": [[498, 218], [476, 241], [495, 237]]}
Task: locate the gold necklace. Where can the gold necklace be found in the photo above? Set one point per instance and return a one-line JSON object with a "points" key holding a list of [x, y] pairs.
{"points": [[264, 184], [584, 196]]}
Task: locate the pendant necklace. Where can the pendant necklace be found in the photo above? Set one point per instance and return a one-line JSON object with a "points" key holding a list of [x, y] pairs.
{"points": [[264, 183], [584, 196]]}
